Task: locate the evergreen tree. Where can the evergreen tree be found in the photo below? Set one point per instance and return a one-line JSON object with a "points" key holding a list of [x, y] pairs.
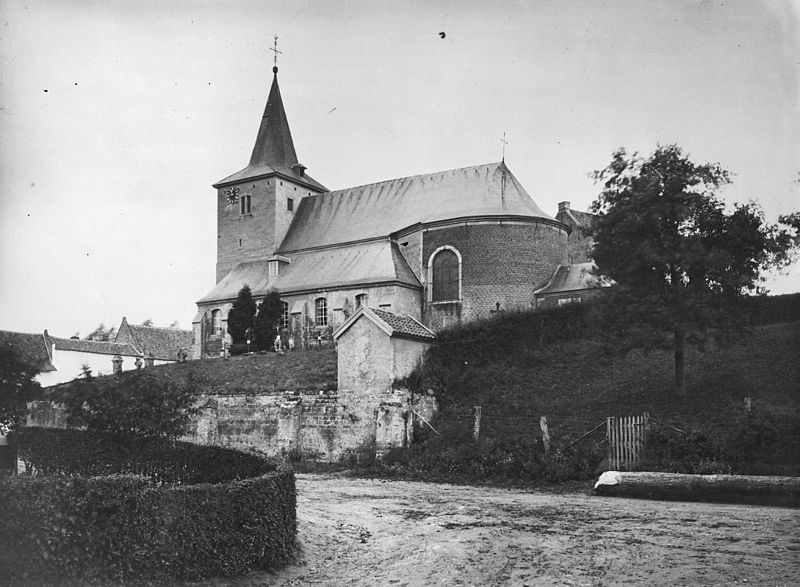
{"points": [[241, 316], [680, 259], [267, 320]]}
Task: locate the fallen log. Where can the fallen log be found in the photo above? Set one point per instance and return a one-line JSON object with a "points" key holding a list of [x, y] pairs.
{"points": [[783, 491]]}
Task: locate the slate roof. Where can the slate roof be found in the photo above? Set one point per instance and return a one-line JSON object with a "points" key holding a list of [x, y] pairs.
{"points": [[94, 346], [33, 349], [381, 209], [331, 268], [575, 277], [273, 151], [401, 326], [162, 343]]}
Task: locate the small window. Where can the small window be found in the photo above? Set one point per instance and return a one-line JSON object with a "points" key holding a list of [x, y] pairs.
{"points": [[272, 268], [240, 243], [361, 300], [216, 322], [244, 204], [284, 315], [289, 204], [321, 312]]}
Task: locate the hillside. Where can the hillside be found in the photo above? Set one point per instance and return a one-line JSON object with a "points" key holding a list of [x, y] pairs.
{"points": [[301, 370], [516, 371]]}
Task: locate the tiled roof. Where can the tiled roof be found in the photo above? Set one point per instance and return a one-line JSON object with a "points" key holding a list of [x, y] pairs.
{"points": [[274, 149], [403, 325], [162, 343], [575, 277], [584, 220], [30, 348], [381, 209], [93, 346], [363, 263]]}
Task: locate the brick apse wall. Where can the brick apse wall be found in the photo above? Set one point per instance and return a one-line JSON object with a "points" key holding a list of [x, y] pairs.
{"points": [[502, 262]]}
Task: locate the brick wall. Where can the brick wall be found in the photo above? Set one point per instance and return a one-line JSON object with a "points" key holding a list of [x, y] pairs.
{"points": [[256, 230], [262, 230], [501, 262]]}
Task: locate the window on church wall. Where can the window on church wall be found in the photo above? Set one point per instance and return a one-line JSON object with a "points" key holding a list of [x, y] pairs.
{"points": [[321, 312], [361, 300], [244, 204], [272, 268], [284, 315], [289, 204], [216, 322], [445, 276]]}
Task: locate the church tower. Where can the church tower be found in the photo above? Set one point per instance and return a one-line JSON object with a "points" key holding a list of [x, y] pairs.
{"points": [[256, 205]]}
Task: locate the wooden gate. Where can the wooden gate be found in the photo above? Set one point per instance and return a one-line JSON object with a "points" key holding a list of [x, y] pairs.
{"points": [[626, 437]]}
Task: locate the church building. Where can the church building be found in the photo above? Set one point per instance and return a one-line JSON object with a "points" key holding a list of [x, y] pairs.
{"points": [[442, 248]]}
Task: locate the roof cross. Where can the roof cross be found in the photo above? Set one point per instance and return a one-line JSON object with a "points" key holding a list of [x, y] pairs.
{"points": [[275, 51], [505, 142]]}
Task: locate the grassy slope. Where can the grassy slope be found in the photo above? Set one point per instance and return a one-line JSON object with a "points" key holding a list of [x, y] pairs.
{"points": [[310, 370], [576, 387]]}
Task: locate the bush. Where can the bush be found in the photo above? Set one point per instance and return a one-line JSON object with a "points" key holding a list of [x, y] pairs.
{"points": [[122, 526], [52, 451], [134, 405]]}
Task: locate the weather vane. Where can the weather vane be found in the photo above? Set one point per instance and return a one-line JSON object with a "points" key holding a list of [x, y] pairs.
{"points": [[275, 51], [505, 142]]}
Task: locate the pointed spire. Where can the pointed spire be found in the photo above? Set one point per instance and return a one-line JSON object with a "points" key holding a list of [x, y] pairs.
{"points": [[274, 146]]}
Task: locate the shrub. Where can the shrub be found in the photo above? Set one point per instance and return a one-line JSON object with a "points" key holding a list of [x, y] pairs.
{"points": [[125, 527], [134, 405]]}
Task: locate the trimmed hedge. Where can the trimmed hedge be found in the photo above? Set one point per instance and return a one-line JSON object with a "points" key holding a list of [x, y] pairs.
{"points": [[127, 527], [53, 451]]}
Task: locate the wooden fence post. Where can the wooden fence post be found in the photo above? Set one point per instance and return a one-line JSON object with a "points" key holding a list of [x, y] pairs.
{"points": [[545, 434], [476, 429]]}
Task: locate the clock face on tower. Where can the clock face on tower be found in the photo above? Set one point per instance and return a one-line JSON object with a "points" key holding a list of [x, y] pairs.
{"points": [[231, 195]]}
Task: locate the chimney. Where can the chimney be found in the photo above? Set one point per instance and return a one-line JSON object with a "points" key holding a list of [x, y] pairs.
{"points": [[563, 206], [117, 362], [149, 360]]}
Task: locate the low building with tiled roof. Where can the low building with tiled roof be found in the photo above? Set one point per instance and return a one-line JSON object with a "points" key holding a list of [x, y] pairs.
{"points": [[32, 349], [572, 283], [165, 345], [376, 347], [440, 247]]}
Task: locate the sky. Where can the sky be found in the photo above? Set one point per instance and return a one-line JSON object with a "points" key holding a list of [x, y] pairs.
{"points": [[116, 117]]}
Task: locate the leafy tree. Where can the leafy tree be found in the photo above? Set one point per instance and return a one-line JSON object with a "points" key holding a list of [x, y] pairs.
{"points": [[241, 315], [102, 333], [148, 322], [17, 387], [267, 320], [133, 406], [681, 260]]}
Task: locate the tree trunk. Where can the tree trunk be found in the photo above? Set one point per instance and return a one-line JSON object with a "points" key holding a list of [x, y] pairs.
{"points": [[678, 486], [680, 367]]}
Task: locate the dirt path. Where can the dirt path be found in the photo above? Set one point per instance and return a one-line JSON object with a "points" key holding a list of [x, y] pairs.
{"points": [[357, 532]]}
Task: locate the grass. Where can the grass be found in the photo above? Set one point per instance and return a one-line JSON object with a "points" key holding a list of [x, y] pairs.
{"points": [[576, 386], [517, 369], [299, 370]]}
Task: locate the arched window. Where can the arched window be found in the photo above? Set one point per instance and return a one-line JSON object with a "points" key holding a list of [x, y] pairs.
{"points": [[216, 322], [445, 275], [321, 312], [284, 315], [361, 300]]}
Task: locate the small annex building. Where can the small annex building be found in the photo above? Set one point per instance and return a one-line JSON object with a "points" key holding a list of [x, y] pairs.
{"points": [[442, 248]]}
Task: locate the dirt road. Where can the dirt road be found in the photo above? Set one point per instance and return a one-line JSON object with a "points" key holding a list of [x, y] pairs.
{"points": [[357, 532]]}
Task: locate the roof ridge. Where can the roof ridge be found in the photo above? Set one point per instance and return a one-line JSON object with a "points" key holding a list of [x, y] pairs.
{"points": [[405, 177]]}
